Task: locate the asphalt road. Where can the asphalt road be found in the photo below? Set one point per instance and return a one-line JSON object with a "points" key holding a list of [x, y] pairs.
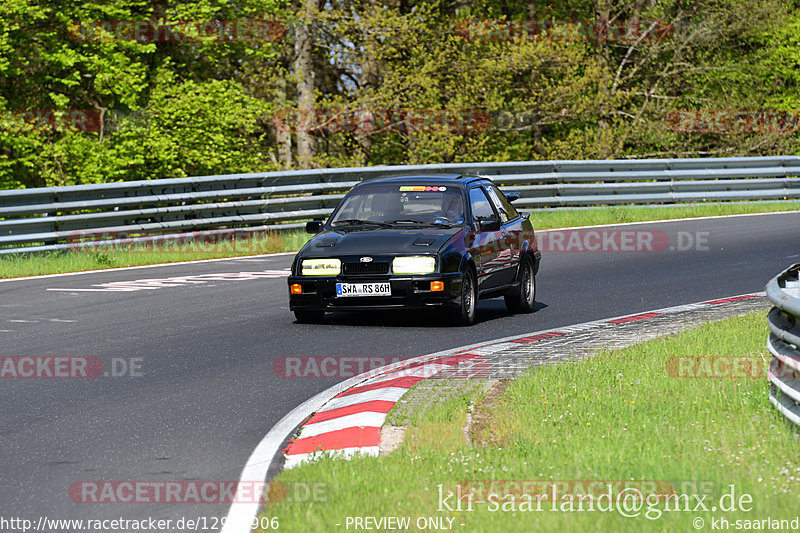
{"points": [[204, 391]]}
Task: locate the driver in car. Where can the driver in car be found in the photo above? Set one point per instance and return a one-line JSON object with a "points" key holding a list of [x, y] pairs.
{"points": [[453, 210]]}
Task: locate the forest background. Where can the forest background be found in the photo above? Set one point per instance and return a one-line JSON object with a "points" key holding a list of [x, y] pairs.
{"points": [[95, 92]]}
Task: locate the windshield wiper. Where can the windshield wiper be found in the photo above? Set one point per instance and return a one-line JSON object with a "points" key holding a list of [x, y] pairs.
{"points": [[421, 223], [407, 221], [359, 222]]}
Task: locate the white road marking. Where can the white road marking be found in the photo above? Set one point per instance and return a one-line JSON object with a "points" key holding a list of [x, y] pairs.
{"points": [[160, 283], [139, 267]]}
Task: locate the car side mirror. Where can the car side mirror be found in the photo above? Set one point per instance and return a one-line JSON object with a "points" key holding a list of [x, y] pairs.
{"points": [[512, 195], [489, 224], [314, 227]]}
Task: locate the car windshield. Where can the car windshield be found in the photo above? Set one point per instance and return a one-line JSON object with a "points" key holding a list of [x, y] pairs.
{"points": [[401, 204]]}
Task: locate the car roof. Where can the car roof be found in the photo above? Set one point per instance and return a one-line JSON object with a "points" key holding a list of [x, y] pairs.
{"points": [[428, 179]]}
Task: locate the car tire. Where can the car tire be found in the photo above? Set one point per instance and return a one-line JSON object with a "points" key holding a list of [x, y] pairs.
{"points": [[306, 316], [523, 298], [465, 314]]}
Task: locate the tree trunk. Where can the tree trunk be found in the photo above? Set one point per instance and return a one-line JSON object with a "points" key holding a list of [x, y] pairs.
{"points": [[304, 70], [369, 82], [283, 132]]}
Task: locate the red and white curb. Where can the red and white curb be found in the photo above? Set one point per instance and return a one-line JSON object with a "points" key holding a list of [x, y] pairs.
{"points": [[351, 422], [346, 419]]}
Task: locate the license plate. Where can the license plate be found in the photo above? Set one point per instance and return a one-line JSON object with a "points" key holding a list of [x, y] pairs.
{"points": [[363, 289]]}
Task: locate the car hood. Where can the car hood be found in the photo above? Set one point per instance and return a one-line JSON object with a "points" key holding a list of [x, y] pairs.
{"points": [[379, 241]]}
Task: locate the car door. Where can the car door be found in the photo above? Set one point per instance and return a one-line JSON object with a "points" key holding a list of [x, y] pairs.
{"points": [[487, 244], [511, 235]]}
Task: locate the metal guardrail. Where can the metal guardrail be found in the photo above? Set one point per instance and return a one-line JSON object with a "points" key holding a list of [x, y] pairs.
{"points": [[50, 218], [784, 342]]}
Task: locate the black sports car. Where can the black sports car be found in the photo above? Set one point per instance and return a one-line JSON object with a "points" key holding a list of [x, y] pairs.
{"points": [[417, 242]]}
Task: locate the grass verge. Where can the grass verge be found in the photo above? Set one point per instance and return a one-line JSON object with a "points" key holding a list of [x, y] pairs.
{"points": [[629, 415], [72, 261], [566, 218]]}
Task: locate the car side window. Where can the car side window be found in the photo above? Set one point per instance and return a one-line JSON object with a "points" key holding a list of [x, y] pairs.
{"points": [[481, 208], [504, 207]]}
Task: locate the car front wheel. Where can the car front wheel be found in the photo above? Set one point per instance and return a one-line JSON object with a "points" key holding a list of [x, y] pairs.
{"points": [[522, 299], [465, 314]]}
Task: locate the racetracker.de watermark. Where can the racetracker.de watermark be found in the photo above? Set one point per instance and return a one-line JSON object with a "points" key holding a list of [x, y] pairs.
{"points": [[565, 30], [727, 121], [616, 240], [196, 491], [724, 367], [212, 241], [51, 120], [69, 367], [182, 31], [375, 121], [342, 367]]}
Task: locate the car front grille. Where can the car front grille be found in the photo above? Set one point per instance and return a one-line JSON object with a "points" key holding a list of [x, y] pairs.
{"points": [[351, 269]]}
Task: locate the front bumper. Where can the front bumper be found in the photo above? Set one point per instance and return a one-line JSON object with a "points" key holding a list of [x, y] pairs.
{"points": [[408, 292]]}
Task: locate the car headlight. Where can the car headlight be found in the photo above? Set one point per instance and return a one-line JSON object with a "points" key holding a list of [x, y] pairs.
{"points": [[320, 267], [414, 265]]}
